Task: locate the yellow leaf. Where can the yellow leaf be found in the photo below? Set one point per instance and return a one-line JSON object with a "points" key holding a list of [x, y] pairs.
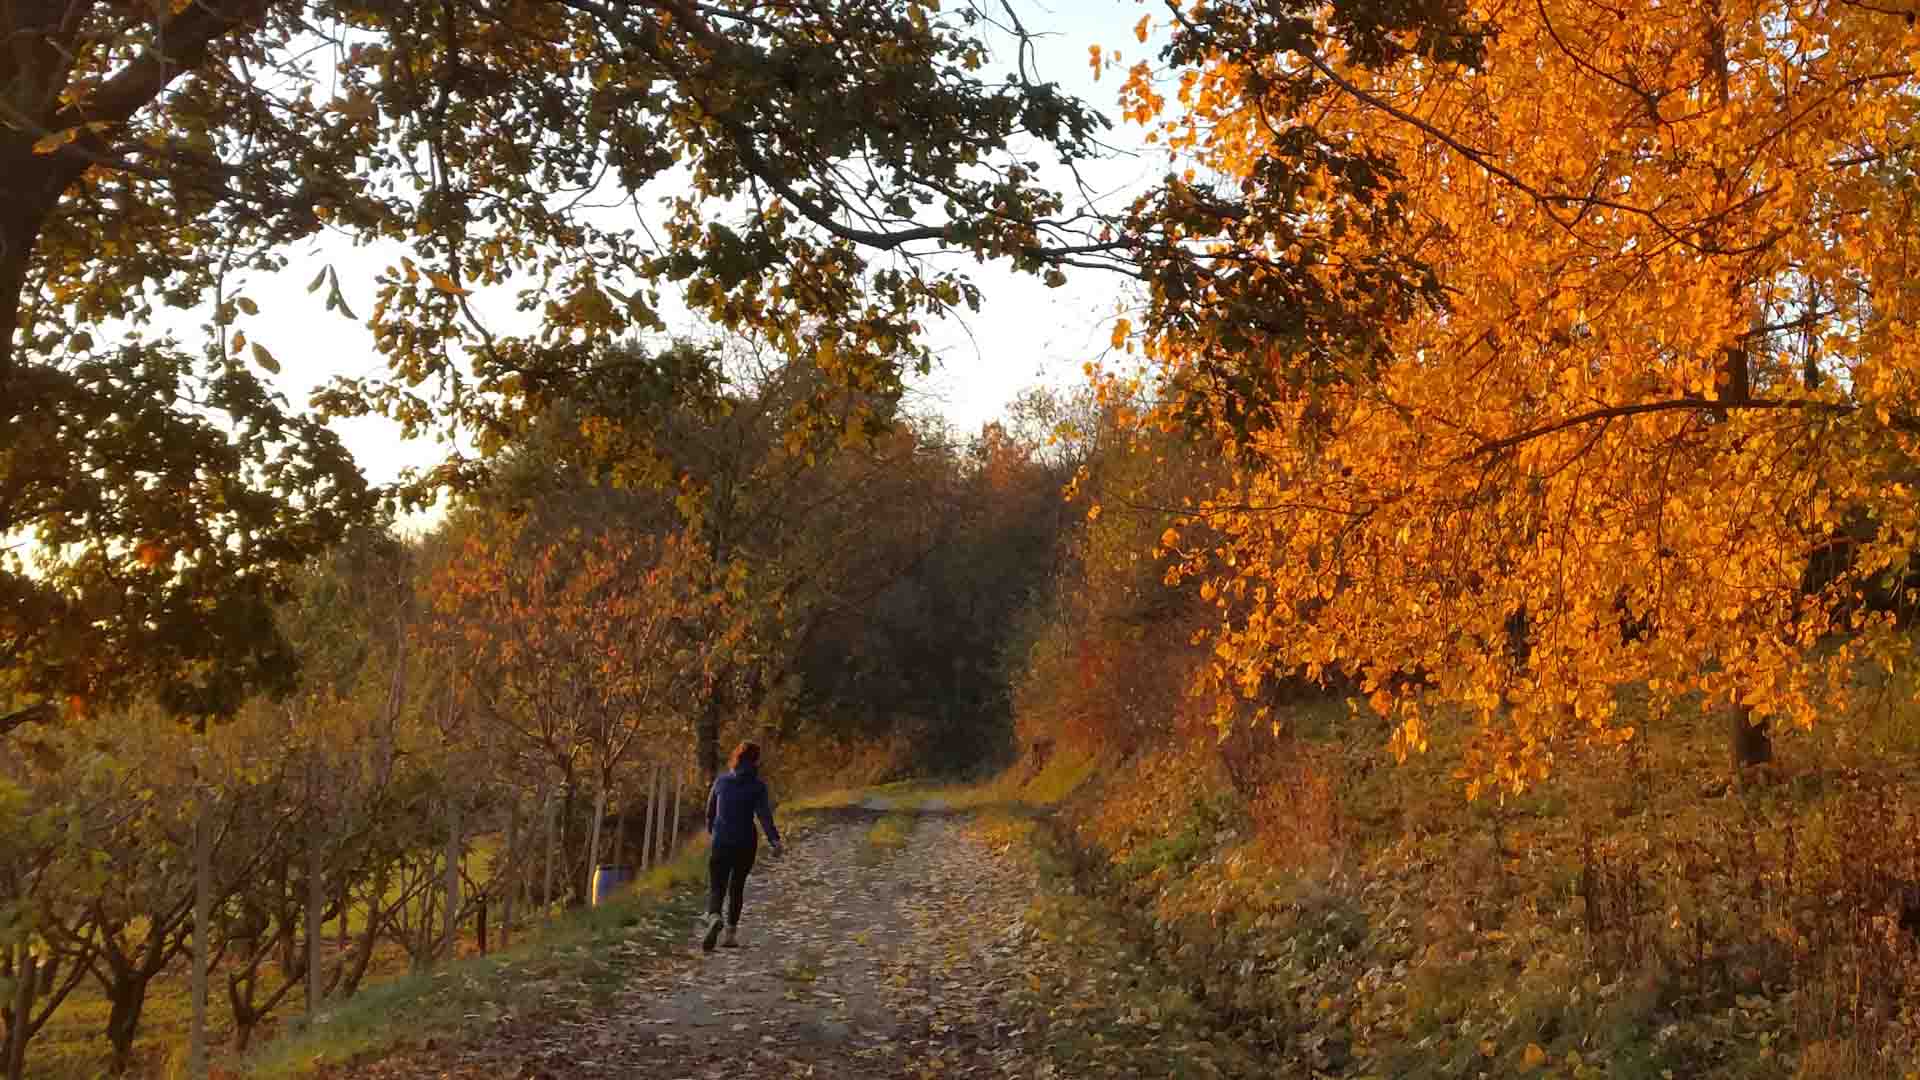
{"points": [[447, 285], [49, 143], [265, 359], [1533, 1057]]}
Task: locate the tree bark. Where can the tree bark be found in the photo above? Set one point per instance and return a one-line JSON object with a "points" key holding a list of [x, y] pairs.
{"points": [[1752, 741], [341, 930], [567, 797], [546, 892], [202, 939], [124, 1005], [314, 901], [679, 795], [708, 735], [647, 810], [593, 838], [660, 816], [27, 972], [514, 877], [452, 932], [620, 835], [29, 190]]}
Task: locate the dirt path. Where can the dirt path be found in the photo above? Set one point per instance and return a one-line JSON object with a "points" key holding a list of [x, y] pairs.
{"points": [[857, 960]]}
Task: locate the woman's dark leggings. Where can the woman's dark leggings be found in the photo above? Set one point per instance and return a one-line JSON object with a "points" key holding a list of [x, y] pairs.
{"points": [[727, 870]]}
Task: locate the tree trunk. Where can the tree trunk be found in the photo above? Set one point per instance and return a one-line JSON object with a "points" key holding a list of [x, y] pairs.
{"points": [[546, 892], [28, 194], [620, 835], [341, 930], [1752, 741], [679, 795], [314, 901], [567, 796], [708, 733], [514, 877], [202, 939], [659, 816], [124, 1004], [593, 838], [453, 877], [27, 972], [646, 809]]}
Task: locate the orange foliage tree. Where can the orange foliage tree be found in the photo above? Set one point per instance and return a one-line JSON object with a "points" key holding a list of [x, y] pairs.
{"points": [[581, 648], [1638, 401]]}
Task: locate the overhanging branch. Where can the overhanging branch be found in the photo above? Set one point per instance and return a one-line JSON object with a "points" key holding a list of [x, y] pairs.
{"points": [[1495, 447]]}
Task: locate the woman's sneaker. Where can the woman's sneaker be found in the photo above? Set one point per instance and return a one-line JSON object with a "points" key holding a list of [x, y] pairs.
{"points": [[732, 940], [714, 925]]}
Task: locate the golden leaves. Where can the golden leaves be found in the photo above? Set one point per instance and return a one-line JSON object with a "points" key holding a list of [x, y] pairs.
{"points": [[47, 144], [1537, 502], [446, 284]]}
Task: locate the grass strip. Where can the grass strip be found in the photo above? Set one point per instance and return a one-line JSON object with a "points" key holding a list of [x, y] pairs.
{"points": [[567, 963]]}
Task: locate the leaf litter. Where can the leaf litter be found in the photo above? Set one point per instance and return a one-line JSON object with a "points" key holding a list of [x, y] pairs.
{"points": [[918, 965]]}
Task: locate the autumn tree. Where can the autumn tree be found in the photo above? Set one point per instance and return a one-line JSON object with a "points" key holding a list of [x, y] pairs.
{"points": [[152, 156], [579, 648], [1666, 363]]}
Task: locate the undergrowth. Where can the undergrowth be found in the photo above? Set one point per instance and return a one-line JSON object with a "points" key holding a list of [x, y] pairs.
{"points": [[1313, 907]]}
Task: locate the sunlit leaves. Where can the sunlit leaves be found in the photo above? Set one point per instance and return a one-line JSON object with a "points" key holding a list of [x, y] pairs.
{"points": [[160, 536], [1506, 505]]}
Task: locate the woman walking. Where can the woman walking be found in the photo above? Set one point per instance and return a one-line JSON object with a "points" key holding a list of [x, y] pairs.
{"points": [[738, 797]]}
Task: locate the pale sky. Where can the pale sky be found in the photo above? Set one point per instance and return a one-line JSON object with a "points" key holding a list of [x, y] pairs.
{"points": [[1024, 335]]}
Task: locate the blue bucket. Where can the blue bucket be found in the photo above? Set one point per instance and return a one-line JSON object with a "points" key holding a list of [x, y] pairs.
{"points": [[607, 880]]}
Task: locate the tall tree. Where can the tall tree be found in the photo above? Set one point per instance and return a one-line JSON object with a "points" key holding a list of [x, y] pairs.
{"points": [[1673, 367], [151, 152]]}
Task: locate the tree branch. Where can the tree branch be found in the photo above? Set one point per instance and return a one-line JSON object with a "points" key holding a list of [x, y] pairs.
{"points": [[1902, 421], [42, 713], [179, 46]]}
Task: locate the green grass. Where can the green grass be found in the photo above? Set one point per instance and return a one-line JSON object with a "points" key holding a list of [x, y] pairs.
{"points": [[567, 963]]}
